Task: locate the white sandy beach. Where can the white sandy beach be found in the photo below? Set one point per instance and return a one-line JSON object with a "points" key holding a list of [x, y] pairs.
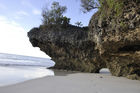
{"points": [[70, 82]]}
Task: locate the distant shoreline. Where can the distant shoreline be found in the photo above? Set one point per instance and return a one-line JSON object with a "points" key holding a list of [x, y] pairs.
{"points": [[22, 65]]}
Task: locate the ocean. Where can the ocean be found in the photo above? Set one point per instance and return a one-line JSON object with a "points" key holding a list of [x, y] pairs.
{"points": [[16, 68]]}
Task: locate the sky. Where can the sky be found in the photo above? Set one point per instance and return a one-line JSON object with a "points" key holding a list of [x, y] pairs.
{"points": [[17, 17]]}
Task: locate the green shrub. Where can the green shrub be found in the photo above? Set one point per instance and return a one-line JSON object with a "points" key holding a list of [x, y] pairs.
{"points": [[111, 6], [55, 15]]}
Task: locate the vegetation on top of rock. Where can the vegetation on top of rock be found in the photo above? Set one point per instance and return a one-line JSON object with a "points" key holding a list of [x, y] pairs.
{"points": [[54, 16], [111, 6], [105, 6], [79, 24], [88, 5]]}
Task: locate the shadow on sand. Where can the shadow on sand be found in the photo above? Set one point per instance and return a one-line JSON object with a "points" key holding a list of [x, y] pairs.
{"points": [[65, 72]]}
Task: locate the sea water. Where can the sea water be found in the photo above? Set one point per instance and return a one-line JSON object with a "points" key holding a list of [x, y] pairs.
{"points": [[15, 69]]}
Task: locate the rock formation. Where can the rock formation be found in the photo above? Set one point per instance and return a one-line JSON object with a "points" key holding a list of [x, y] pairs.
{"points": [[117, 37], [68, 47], [112, 41]]}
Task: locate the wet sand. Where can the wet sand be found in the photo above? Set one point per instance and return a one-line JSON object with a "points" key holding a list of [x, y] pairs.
{"points": [[75, 82]]}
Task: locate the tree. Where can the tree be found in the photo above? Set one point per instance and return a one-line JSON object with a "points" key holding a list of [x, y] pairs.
{"points": [[54, 15], [65, 21], [88, 5], [79, 24]]}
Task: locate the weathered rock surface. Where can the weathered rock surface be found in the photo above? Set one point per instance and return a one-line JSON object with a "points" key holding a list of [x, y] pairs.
{"points": [[68, 47], [112, 41], [117, 38]]}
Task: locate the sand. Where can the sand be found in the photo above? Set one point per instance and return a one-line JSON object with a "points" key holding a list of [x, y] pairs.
{"points": [[75, 82]]}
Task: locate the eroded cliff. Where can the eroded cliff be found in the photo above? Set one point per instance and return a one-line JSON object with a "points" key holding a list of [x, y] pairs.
{"points": [[69, 47], [116, 34], [112, 41]]}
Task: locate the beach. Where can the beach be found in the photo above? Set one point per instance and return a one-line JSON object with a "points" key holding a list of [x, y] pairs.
{"points": [[70, 46], [75, 82]]}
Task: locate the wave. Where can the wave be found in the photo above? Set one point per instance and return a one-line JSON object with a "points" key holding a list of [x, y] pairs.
{"points": [[19, 60]]}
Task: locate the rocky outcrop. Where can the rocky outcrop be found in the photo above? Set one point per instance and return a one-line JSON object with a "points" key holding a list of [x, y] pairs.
{"points": [[112, 41], [69, 47], [117, 38]]}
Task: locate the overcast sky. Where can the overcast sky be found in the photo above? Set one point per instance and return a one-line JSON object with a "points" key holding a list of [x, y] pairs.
{"points": [[17, 17]]}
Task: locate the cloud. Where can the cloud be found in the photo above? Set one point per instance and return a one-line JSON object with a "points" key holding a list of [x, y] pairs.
{"points": [[14, 40], [36, 12], [2, 6], [22, 13], [27, 3]]}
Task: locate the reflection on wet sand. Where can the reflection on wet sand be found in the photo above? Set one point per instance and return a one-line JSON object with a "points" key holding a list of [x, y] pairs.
{"points": [[16, 74]]}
